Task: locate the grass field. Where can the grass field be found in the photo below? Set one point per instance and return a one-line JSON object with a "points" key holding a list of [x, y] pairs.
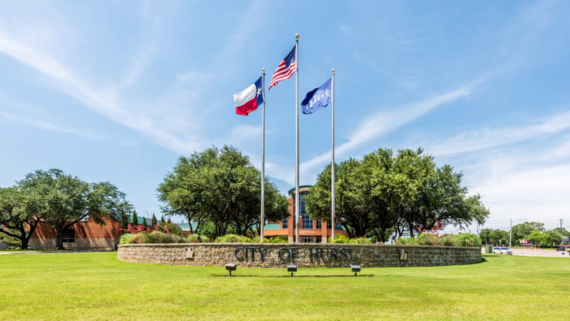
{"points": [[97, 286]]}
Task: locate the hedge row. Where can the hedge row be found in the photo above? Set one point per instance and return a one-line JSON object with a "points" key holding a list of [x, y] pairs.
{"points": [[463, 239]]}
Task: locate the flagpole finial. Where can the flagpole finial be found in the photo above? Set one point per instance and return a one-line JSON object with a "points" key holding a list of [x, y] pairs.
{"points": [[297, 36], [333, 70], [263, 69]]}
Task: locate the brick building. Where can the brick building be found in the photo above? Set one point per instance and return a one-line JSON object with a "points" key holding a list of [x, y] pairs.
{"points": [[311, 231], [86, 234]]}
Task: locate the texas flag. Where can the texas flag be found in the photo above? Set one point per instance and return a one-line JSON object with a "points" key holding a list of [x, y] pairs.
{"points": [[249, 99]]}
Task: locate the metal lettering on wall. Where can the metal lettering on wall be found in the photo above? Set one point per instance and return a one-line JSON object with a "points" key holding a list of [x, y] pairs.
{"points": [[290, 253]]}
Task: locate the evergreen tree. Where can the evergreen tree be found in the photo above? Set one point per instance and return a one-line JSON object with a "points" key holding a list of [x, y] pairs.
{"points": [[162, 219], [135, 221], [144, 222], [169, 221], [124, 221], [153, 220]]}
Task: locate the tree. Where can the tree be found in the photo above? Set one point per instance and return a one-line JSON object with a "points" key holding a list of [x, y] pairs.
{"points": [[349, 214], [63, 200], [539, 238], [144, 222], [485, 235], [552, 237], [17, 214], [125, 221], [153, 221], [135, 218], [220, 186], [523, 230], [496, 237], [386, 192], [162, 219]]}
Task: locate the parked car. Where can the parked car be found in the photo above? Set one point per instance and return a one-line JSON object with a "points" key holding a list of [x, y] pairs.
{"points": [[497, 250], [562, 248], [506, 250]]}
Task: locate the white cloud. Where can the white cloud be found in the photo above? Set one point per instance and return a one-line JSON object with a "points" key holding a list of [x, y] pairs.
{"points": [[492, 137], [384, 122], [48, 126]]}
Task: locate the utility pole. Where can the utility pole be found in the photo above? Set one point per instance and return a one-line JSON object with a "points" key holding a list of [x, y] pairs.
{"points": [[511, 234], [561, 233]]}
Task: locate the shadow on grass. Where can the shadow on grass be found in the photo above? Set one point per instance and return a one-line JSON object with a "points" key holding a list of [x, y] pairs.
{"points": [[296, 276]]}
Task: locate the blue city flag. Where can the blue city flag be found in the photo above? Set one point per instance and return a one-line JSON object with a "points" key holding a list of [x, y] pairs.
{"points": [[317, 98]]}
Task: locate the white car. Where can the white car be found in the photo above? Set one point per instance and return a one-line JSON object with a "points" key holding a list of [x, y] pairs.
{"points": [[506, 250], [502, 250]]}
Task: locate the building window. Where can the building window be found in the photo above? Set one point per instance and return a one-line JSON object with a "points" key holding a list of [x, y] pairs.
{"points": [[69, 236], [306, 239], [286, 223], [319, 224], [318, 239], [307, 222], [329, 225]]}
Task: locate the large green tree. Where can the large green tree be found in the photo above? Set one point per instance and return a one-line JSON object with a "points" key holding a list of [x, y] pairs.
{"points": [[61, 200], [353, 217], [523, 230], [386, 191], [17, 215], [220, 186], [496, 237]]}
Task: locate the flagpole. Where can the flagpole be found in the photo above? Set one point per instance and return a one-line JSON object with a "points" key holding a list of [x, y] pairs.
{"points": [[297, 139], [333, 225], [262, 227]]}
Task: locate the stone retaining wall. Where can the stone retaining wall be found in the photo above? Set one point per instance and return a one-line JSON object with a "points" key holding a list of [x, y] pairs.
{"points": [[279, 255]]}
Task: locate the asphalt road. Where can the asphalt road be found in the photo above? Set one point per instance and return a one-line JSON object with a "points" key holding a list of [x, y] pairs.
{"points": [[538, 252]]}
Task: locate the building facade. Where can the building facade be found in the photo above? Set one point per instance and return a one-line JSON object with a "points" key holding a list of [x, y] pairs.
{"points": [[311, 231], [86, 234]]}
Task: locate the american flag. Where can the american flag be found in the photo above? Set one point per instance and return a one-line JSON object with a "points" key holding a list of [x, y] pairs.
{"points": [[286, 69]]}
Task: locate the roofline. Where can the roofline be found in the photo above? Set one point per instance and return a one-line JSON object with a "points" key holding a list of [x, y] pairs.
{"points": [[290, 192]]}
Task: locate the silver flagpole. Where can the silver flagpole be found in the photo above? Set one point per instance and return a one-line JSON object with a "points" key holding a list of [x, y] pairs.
{"points": [[297, 140], [333, 226], [262, 228]]}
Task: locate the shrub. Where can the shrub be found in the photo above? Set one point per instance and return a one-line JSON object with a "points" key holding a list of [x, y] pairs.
{"points": [[428, 239], [468, 239], [169, 227], [278, 239], [232, 238], [406, 241], [160, 237], [449, 240], [193, 238], [465, 239], [126, 238], [154, 237], [339, 239], [360, 240]]}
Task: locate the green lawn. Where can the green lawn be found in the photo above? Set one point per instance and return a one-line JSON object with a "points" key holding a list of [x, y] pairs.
{"points": [[97, 286]]}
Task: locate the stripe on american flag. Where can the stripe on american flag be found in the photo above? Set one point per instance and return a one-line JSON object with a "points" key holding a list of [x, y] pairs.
{"points": [[285, 70]]}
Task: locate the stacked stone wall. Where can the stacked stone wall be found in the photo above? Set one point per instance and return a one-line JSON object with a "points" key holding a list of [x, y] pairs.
{"points": [[280, 255]]}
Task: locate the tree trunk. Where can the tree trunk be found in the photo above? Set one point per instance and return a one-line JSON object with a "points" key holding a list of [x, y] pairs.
{"points": [[23, 239], [59, 239]]}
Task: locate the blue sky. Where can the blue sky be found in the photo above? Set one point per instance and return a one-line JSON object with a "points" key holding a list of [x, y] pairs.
{"points": [[117, 91]]}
